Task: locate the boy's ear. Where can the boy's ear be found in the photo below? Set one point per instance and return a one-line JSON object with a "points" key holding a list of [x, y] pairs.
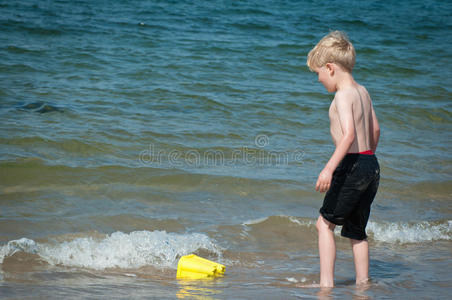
{"points": [[330, 68]]}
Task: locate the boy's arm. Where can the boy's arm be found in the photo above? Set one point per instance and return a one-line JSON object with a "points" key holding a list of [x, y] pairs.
{"points": [[375, 132], [345, 113]]}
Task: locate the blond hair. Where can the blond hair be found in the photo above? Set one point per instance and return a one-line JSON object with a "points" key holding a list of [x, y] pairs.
{"points": [[336, 48]]}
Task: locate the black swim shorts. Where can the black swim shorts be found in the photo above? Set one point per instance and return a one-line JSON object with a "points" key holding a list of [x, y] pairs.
{"points": [[353, 188]]}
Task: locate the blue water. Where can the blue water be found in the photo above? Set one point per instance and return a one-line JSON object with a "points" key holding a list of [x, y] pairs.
{"points": [[202, 117]]}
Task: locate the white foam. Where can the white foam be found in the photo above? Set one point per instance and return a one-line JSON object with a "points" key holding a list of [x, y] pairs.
{"points": [[21, 245], [255, 221], [410, 233], [122, 250], [302, 222], [294, 280], [290, 218]]}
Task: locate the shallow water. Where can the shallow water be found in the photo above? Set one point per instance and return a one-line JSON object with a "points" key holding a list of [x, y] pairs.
{"points": [[132, 133]]}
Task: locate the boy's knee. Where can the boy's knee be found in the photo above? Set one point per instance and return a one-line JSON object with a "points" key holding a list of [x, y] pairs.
{"points": [[354, 242], [323, 224]]}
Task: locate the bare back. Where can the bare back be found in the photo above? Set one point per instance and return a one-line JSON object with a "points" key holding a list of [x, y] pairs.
{"points": [[363, 116]]}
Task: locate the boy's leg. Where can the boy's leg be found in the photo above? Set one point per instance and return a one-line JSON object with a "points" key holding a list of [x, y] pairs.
{"points": [[361, 258], [327, 251]]}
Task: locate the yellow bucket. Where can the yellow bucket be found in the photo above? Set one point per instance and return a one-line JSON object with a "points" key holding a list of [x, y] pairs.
{"points": [[195, 267]]}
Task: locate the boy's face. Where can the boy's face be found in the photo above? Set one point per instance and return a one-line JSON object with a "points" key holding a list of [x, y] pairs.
{"points": [[325, 77]]}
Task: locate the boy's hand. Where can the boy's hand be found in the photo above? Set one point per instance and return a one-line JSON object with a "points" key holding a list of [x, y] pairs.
{"points": [[324, 181]]}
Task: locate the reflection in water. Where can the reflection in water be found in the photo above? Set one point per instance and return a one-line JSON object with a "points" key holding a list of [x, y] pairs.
{"points": [[197, 289], [360, 291], [359, 294], [325, 293]]}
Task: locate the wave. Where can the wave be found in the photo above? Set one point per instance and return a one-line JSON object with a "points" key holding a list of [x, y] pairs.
{"points": [[162, 250], [40, 107], [400, 232], [118, 250], [388, 232]]}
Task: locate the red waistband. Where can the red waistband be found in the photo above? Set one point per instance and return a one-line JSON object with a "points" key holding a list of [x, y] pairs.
{"points": [[367, 152]]}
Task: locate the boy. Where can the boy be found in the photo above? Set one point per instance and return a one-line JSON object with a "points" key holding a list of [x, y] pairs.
{"points": [[351, 176]]}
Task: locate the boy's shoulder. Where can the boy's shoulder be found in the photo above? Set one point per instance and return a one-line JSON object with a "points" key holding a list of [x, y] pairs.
{"points": [[346, 96], [351, 94]]}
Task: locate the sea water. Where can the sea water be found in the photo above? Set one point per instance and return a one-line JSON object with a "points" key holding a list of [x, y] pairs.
{"points": [[135, 132]]}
